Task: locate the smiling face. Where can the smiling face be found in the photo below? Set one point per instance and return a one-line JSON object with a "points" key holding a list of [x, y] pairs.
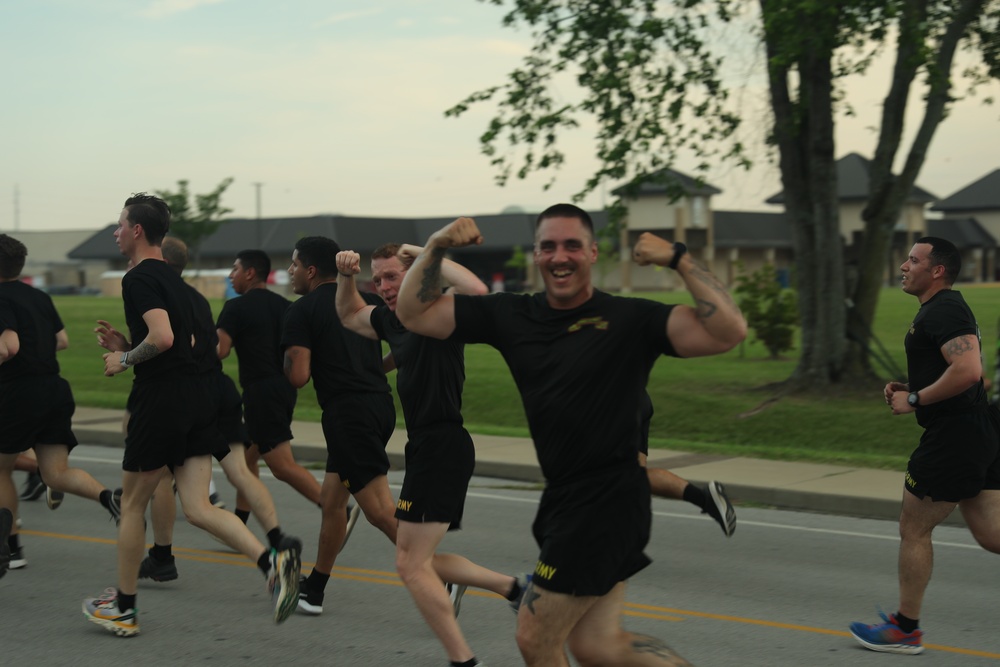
{"points": [[565, 250], [387, 276]]}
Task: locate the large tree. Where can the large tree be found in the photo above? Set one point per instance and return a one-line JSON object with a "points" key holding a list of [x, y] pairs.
{"points": [[193, 218], [651, 75]]}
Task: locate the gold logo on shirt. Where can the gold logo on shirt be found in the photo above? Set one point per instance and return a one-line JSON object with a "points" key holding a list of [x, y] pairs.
{"points": [[597, 322]]}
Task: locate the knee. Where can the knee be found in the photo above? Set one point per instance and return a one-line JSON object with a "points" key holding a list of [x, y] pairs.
{"points": [[406, 567], [595, 650], [533, 645], [988, 540], [196, 513]]}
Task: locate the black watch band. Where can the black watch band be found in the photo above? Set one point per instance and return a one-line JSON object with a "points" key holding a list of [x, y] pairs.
{"points": [[679, 251]]}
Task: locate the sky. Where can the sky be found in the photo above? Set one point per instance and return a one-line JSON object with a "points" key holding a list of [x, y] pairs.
{"points": [[333, 107]]}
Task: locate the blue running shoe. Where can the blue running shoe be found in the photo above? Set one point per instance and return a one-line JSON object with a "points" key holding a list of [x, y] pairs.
{"points": [[887, 637]]}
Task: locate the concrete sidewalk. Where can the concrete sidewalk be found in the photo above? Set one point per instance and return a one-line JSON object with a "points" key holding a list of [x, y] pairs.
{"points": [[798, 486]]}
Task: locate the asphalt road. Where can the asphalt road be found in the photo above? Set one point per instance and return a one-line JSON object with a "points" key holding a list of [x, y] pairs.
{"points": [[780, 592]]}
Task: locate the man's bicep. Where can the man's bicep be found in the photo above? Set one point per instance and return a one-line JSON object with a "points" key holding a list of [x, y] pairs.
{"points": [[437, 321], [962, 350]]}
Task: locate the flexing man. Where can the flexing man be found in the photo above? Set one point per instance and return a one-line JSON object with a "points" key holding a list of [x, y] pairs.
{"points": [[440, 455], [173, 420], [957, 462], [36, 403], [580, 359]]}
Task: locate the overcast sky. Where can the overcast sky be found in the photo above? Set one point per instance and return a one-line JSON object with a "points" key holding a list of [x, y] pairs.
{"points": [[335, 107]]}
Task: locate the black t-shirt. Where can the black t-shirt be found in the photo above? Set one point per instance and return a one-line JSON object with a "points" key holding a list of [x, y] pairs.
{"points": [[429, 372], [581, 372], [31, 313], [254, 321], [342, 362], [153, 285], [206, 340], [941, 318]]}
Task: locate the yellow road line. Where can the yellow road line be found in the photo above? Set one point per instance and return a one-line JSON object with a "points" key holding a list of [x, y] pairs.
{"points": [[392, 579]]}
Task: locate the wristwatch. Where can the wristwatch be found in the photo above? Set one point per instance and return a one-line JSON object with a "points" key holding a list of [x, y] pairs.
{"points": [[913, 399], [124, 360]]}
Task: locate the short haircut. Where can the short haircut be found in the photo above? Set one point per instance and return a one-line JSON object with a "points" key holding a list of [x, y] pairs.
{"points": [[152, 213], [256, 260], [945, 253], [390, 250], [175, 253], [320, 252], [566, 211], [12, 254]]}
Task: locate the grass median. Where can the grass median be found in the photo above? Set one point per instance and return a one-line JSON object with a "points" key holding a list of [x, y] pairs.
{"points": [[716, 405]]}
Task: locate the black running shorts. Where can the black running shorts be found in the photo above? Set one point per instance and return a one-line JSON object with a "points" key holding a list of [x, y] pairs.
{"points": [[439, 464], [36, 410], [958, 456], [268, 406], [357, 427]]}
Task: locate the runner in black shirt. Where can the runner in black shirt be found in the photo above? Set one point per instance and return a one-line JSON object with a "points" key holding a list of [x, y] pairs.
{"points": [[173, 419], [251, 325], [957, 462], [358, 413], [36, 404], [440, 456], [580, 359]]}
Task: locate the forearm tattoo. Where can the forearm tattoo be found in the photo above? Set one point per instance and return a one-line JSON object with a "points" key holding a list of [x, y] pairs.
{"points": [[956, 347], [144, 351], [647, 644], [430, 286]]}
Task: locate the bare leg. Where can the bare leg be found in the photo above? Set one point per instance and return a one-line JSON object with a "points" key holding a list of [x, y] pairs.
{"points": [[286, 469], [53, 463], [137, 489], [163, 510], [249, 487], [916, 552], [333, 525], [252, 455], [8, 492], [982, 514]]}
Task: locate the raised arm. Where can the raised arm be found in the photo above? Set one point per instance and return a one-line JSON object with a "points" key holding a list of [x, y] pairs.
{"points": [[715, 324], [354, 313], [459, 280], [422, 306]]}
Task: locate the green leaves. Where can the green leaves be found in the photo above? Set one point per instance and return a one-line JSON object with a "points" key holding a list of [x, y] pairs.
{"points": [[193, 223]]}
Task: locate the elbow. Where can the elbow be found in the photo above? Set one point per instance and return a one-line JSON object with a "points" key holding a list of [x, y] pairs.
{"points": [[480, 290], [297, 380]]}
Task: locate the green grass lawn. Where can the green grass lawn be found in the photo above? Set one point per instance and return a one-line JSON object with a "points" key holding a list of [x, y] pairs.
{"points": [[715, 405]]}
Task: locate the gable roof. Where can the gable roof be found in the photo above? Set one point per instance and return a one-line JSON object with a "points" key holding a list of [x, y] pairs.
{"points": [[981, 195], [963, 232], [852, 183], [668, 182]]}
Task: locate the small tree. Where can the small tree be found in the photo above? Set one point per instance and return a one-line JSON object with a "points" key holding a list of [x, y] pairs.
{"points": [[193, 223], [519, 262], [769, 308]]}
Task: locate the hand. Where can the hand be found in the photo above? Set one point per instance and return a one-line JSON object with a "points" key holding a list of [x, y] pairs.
{"points": [[109, 338], [112, 364], [651, 249], [408, 252], [900, 403], [460, 233], [348, 263], [891, 388]]}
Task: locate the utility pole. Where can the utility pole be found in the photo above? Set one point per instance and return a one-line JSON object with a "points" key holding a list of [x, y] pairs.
{"points": [[258, 186]]}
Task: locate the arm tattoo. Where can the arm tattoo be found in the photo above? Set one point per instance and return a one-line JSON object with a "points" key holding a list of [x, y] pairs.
{"points": [[529, 597], [144, 351], [706, 277], [705, 309], [652, 645], [430, 286], [956, 347]]}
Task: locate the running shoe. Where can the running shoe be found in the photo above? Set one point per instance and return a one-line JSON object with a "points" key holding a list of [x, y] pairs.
{"points": [[116, 506], [719, 507], [456, 592], [217, 500], [515, 604], [158, 570], [283, 577], [34, 487], [53, 498], [17, 559], [6, 525], [353, 512], [310, 600], [888, 637], [104, 611]]}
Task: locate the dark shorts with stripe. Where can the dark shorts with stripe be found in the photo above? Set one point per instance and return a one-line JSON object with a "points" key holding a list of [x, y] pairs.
{"points": [[268, 406], [958, 456], [592, 532], [172, 420], [36, 410], [439, 464], [357, 427]]}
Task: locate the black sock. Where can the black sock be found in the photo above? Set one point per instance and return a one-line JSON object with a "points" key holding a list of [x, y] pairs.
{"points": [[125, 602], [467, 663], [274, 537], [515, 591], [317, 581], [161, 552], [244, 515], [106, 499], [264, 562], [907, 624], [694, 495]]}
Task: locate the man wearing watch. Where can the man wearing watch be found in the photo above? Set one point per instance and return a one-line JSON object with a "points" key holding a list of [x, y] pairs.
{"points": [[957, 462]]}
